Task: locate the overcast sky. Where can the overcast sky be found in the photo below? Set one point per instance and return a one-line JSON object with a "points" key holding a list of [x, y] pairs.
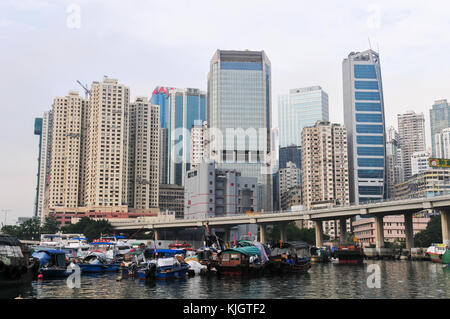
{"points": [[45, 46]]}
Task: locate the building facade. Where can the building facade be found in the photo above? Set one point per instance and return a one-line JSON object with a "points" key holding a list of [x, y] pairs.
{"points": [[198, 144], [442, 144], [159, 97], [185, 108], [419, 162], [43, 128], [325, 179], [439, 120], [300, 108], [214, 192], [433, 182], [411, 132], [394, 228], [365, 122], [171, 198], [394, 163], [239, 115], [289, 177], [143, 154], [292, 153]]}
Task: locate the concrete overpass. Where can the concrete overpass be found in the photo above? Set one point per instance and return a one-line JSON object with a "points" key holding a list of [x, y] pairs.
{"points": [[378, 210]]}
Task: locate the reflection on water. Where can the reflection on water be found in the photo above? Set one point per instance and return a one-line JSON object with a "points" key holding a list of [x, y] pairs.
{"points": [[398, 279]]}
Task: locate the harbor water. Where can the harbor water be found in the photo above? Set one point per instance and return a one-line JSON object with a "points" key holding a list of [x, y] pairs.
{"points": [[372, 280]]}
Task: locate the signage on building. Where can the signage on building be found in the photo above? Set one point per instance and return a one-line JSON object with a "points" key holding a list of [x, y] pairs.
{"points": [[439, 162], [162, 89]]}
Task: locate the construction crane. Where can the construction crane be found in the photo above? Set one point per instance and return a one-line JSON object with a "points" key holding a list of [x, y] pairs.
{"points": [[86, 90]]}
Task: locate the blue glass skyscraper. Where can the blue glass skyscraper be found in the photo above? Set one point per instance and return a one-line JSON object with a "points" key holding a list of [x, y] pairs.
{"points": [[300, 108], [159, 97], [365, 123], [184, 108]]}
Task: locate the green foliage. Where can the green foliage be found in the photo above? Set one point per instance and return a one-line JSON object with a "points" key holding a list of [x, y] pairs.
{"points": [[294, 233], [31, 229], [90, 228], [432, 234]]}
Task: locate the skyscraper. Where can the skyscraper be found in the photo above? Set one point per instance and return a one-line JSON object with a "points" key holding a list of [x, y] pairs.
{"points": [[365, 123], [300, 108], [439, 120], [292, 153], [442, 144], [185, 107], [143, 154], [239, 114], [394, 163], [107, 144], [43, 128], [159, 97], [67, 153], [411, 132]]}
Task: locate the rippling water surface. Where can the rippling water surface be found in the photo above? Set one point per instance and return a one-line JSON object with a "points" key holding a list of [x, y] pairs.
{"points": [[398, 279]]}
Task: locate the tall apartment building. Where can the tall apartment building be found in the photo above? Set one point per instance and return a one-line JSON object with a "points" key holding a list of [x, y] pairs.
{"points": [[198, 144], [185, 107], [394, 165], [289, 177], [442, 144], [67, 155], [439, 120], [291, 153], [143, 154], [411, 131], [365, 123], [43, 128], [432, 182], [171, 198], [215, 192], [325, 165], [239, 111], [107, 145], [300, 108]]}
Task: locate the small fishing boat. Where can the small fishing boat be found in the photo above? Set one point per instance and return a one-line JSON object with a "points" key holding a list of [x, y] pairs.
{"points": [[239, 261], [320, 254], [17, 266], [349, 255], [52, 263], [289, 258], [436, 251], [163, 264], [446, 258], [97, 262]]}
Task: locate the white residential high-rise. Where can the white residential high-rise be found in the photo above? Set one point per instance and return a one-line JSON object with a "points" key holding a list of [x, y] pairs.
{"points": [[67, 151], [198, 144], [107, 144], [394, 165], [411, 131], [45, 150], [143, 154], [288, 177]]}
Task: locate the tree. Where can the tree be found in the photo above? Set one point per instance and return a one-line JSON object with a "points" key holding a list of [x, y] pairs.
{"points": [[432, 234], [294, 233], [50, 225], [89, 227]]}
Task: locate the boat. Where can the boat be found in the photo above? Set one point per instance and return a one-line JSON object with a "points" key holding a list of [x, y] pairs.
{"points": [[163, 264], [52, 263], [184, 246], [320, 254], [436, 251], [97, 262], [446, 258], [349, 255], [17, 266], [239, 261], [122, 246], [289, 258]]}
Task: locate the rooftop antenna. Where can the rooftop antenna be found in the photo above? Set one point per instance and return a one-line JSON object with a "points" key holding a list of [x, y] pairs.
{"points": [[87, 92], [370, 45]]}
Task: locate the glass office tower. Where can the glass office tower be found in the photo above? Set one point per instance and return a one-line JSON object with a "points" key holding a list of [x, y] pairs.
{"points": [[300, 108], [184, 108], [239, 106], [439, 120], [365, 123], [159, 97]]}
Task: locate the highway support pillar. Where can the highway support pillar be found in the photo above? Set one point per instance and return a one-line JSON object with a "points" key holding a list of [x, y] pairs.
{"points": [[262, 233], [379, 230], [409, 231], [342, 230], [226, 234], [283, 232], [319, 233], [445, 220], [156, 232]]}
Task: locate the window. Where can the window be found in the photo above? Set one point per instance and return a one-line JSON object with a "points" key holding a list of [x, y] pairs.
{"points": [[369, 96], [363, 71], [377, 118], [374, 140], [366, 85], [361, 128]]}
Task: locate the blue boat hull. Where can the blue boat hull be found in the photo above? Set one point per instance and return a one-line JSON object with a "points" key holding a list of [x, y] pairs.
{"points": [[165, 273], [96, 268], [54, 273]]}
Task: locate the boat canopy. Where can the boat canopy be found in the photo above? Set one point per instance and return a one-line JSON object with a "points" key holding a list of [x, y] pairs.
{"points": [[248, 250], [102, 243], [7, 240]]}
